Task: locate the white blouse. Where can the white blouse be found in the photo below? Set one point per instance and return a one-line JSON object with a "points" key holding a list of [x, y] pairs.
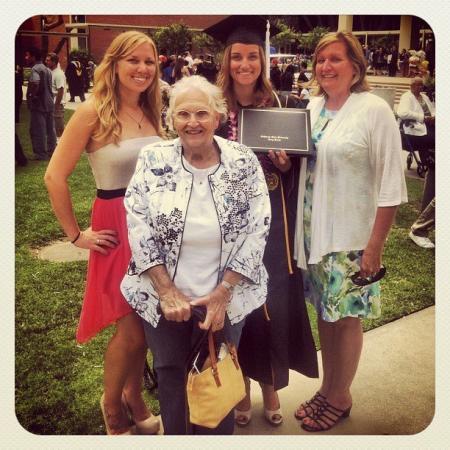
{"points": [[198, 265]]}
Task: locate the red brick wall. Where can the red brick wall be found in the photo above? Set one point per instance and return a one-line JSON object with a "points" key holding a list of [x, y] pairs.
{"points": [[100, 37]]}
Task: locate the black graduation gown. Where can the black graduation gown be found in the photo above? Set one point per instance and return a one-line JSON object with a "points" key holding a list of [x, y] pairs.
{"points": [[277, 336]]}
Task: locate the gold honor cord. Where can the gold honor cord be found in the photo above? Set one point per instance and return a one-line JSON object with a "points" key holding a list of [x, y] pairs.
{"points": [[286, 230]]}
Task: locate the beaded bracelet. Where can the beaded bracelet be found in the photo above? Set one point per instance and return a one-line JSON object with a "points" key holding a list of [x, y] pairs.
{"points": [[76, 239]]}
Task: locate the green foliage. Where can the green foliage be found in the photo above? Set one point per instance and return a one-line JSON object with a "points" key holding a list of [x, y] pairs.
{"points": [[58, 383], [385, 41], [207, 44], [310, 40], [287, 36], [174, 39]]}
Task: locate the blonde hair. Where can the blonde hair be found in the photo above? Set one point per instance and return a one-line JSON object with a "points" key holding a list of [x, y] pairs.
{"points": [[216, 100], [354, 53], [263, 92], [106, 88]]}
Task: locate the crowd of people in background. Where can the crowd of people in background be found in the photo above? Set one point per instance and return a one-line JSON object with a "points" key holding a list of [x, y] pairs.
{"points": [[388, 60], [288, 76], [175, 67]]}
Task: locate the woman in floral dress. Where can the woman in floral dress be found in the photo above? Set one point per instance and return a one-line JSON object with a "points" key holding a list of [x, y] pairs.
{"points": [[352, 190]]}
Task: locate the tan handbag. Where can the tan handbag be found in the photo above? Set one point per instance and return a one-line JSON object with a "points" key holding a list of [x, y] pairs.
{"points": [[217, 389]]}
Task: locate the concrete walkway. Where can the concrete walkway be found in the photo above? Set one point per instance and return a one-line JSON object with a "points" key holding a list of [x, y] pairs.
{"points": [[393, 392]]}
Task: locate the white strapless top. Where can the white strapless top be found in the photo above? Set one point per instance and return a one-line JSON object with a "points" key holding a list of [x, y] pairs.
{"points": [[113, 165]]}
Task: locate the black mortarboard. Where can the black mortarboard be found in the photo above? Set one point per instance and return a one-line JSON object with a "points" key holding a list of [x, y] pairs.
{"points": [[244, 29]]}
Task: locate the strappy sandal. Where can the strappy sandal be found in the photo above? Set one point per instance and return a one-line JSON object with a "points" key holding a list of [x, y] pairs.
{"points": [[308, 406], [242, 418], [274, 417], [326, 417]]}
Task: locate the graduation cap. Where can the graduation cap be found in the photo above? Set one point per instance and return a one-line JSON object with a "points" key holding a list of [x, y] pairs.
{"points": [[243, 29]]}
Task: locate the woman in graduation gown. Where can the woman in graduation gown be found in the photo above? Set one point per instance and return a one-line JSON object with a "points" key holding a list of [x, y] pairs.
{"points": [[277, 336]]}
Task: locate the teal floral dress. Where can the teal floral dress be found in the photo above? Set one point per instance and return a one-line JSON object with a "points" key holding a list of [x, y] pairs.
{"points": [[327, 284]]}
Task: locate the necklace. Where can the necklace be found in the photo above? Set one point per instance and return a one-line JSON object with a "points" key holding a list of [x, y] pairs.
{"points": [[138, 122]]}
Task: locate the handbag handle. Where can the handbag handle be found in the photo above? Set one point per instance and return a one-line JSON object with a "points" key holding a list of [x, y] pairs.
{"points": [[213, 357]]}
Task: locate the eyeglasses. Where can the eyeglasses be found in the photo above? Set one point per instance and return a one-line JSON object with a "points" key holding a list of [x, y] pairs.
{"points": [[202, 115], [360, 281]]}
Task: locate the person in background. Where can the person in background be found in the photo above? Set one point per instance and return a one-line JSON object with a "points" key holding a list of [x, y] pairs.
{"points": [[122, 115], [421, 228], [404, 62], [198, 215], [303, 95], [393, 62], [418, 115], [167, 71], [208, 69], [90, 69], [58, 90], [352, 189], [302, 76], [378, 61], [180, 69], [275, 74], [287, 80], [276, 336], [427, 79], [414, 62], [18, 91], [190, 61], [40, 104], [20, 157], [75, 79]]}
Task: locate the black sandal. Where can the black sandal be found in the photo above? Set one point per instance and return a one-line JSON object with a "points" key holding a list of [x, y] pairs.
{"points": [[317, 400], [322, 418]]}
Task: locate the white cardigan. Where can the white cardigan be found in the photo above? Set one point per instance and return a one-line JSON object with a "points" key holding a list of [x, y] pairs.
{"points": [[409, 108], [358, 169]]}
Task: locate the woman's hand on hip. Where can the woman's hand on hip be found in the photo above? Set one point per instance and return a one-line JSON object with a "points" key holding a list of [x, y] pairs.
{"points": [[216, 306], [175, 306], [98, 241], [280, 160]]}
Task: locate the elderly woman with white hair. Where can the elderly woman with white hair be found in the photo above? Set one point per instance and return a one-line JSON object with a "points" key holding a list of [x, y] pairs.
{"points": [[198, 215]]}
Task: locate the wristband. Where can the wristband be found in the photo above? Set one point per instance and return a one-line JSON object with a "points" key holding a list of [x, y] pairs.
{"points": [[76, 239]]}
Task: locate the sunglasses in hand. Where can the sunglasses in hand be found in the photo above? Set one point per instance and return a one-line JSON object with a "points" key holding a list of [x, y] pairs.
{"points": [[364, 281]]}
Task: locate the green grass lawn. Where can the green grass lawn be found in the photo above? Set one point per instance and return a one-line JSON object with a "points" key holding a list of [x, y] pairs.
{"points": [[59, 383]]}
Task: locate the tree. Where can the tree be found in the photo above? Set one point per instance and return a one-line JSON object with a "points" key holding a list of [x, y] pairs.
{"points": [[206, 44], [286, 37], [173, 39], [310, 40]]}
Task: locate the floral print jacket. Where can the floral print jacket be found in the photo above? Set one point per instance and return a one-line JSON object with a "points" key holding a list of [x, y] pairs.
{"points": [[156, 202]]}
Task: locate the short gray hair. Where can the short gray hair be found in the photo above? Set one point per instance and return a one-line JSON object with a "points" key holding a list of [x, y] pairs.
{"points": [[216, 100]]}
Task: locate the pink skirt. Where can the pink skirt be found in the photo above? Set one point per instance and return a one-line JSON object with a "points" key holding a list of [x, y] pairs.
{"points": [[103, 302]]}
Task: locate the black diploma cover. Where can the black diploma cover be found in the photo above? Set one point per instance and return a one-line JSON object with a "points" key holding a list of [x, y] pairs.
{"points": [[264, 129]]}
